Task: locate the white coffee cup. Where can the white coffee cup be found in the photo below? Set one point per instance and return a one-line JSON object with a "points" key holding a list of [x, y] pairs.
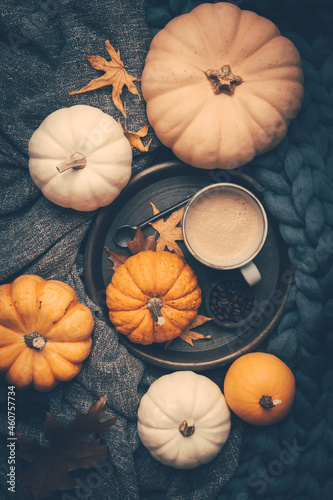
{"points": [[224, 227]]}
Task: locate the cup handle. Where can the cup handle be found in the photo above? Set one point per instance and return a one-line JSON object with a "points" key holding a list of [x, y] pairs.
{"points": [[250, 273]]}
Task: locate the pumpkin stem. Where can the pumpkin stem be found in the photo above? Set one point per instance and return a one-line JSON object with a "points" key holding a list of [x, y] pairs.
{"points": [[187, 427], [35, 340], [76, 161], [266, 402], [154, 305], [223, 80]]}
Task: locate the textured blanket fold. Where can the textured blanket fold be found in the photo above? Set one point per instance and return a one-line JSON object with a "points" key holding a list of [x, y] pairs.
{"points": [[42, 59]]}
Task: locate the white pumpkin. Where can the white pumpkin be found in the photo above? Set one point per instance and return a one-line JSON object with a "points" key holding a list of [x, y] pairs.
{"points": [[183, 420], [80, 158]]}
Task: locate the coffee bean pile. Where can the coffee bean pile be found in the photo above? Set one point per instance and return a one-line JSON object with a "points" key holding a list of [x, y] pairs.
{"points": [[231, 301]]}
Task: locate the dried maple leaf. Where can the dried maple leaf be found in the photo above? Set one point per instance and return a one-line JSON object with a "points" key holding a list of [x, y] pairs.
{"points": [[168, 231], [140, 243], [134, 138], [68, 450], [115, 75], [117, 258], [188, 335]]}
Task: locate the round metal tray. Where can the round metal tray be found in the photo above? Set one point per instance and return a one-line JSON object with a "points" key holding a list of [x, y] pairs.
{"points": [[165, 184]]}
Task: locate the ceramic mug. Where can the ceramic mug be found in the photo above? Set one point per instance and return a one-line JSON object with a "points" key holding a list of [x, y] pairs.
{"points": [[224, 227]]}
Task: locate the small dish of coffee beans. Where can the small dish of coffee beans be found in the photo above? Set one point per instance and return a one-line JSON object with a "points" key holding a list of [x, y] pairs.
{"points": [[230, 302]]}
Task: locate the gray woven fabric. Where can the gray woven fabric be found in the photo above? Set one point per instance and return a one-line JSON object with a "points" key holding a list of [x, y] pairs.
{"points": [[42, 47]]}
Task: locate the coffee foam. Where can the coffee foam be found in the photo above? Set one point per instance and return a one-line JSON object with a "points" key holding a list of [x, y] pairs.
{"points": [[224, 228]]}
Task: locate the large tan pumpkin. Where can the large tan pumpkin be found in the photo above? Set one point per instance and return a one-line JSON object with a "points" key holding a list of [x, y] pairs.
{"points": [[221, 85]]}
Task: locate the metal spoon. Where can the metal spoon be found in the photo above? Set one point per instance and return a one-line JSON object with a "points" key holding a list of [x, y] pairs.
{"points": [[126, 232]]}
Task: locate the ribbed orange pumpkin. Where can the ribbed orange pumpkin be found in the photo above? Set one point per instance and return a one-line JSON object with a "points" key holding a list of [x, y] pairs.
{"points": [[259, 388], [153, 297], [221, 85], [45, 333]]}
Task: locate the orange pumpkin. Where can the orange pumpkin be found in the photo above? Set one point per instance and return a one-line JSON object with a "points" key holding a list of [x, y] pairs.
{"points": [[153, 297], [259, 388], [45, 333]]}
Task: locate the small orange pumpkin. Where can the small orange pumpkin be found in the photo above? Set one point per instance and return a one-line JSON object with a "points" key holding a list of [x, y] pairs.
{"points": [[153, 296], [259, 388], [45, 333]]}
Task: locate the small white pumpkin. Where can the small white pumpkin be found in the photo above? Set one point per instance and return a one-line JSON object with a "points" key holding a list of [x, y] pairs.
{"points": [[183, 420], [80, 158]]}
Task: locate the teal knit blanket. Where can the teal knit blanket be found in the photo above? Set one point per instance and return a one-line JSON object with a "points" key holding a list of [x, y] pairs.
{"points": [[294, 459]]}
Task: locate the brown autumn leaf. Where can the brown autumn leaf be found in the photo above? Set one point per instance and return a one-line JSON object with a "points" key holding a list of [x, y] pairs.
{"points": [[49, 467], [169, 231], [115, 75], [117, 258], [139, 243], [188, 335], [134, 138]]}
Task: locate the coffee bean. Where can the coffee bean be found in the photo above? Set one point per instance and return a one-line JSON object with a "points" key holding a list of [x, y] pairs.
{"points": [[231, 300]]}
